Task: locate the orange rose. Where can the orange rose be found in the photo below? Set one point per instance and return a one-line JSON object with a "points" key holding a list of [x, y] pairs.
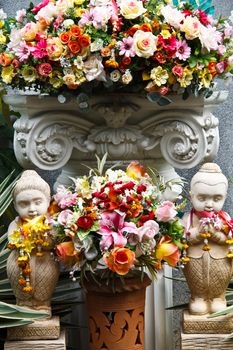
{"points": [[146, 27], [67, 253], [119, 260], [75, 31], [135, 170], [65, 37], [167, 251], [5, 59], [84, 40], [105, 51], [74, 47]]}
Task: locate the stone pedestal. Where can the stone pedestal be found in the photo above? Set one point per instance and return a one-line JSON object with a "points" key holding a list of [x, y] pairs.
{"points": [[205, 342], [55, 344], [39, 329], [201, 332]]}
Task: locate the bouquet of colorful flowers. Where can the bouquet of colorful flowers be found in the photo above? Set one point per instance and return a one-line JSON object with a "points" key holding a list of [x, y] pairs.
{"points": [[161, 46], [116, 223]]}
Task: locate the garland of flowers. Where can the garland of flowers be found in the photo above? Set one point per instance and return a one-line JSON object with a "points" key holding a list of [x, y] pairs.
{"points": [[30, 236], [157, 45]]}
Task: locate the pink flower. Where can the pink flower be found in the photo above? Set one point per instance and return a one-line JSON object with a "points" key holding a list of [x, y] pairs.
{"points": [[204, 19], [228, 31], [164, 90], [44, 69], [23, 51], [166, 212], [65, 217], [221, 66], [20, 15], [169, 44], [126, 47], [183, 51], [64, 197], [148, 230], [221, 49], [58, 21], [39, 51], [112, 227], [178, 71], [40, 6]]}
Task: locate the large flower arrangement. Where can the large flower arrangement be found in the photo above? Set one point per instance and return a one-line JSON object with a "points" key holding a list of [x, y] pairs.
{"points": [[161, 46], [116, 223]]}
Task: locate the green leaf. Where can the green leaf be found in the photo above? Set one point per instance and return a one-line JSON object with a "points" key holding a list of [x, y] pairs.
{"points": [[193, 62], [13, 323], [164, 101], [153, 96], [225, 311]]}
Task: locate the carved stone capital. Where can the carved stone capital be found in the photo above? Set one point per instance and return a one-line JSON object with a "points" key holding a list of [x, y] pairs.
{"points": [[53, 135]]}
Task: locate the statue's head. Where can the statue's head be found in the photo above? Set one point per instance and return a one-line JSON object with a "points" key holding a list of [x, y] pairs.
{"points": [[208, 188], [31, 195]]}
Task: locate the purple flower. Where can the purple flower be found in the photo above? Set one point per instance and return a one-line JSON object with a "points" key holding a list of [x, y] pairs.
{"points": [[126, 47]]}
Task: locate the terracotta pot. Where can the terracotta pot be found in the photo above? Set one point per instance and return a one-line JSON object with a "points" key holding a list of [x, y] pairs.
{"points": [[116, 318]]}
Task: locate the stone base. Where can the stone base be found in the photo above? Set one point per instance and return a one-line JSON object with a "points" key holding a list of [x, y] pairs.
{"points": [[39, 329], [57, 344], [203, 325], [205, 342]]}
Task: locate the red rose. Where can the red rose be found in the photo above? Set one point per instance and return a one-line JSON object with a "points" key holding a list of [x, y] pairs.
{"points": [[45, 69], [126, 60], [85, 222]]}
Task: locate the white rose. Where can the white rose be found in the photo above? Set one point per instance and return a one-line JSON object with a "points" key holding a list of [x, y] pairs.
{"points": [[68, 23], [131, 9], [144, 43], [94, 69], [192, 27], [172, 16], [63, 5]]}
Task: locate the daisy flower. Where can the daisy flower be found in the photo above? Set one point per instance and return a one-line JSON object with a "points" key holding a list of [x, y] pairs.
{"points": [[183, 51], [126, 47]]}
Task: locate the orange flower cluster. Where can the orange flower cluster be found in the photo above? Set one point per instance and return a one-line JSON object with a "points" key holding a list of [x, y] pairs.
{"points": [[75, 39]]}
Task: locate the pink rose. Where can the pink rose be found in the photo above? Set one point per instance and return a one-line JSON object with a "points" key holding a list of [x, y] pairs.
{"points": [[178, 71], [148, 230], [65, 217], [44, 69], [221, 66], [166, 211], [163, 90]]}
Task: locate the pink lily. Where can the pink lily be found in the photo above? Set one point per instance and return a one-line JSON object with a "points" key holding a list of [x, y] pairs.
{"points": [[112, 228]]}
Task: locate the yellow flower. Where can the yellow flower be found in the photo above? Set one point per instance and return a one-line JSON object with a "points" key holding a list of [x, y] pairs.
{"points": [[7, 74], [159, 76], [69, 79], [206, 77], [54, 48], [2, 24], [78, 11], [29, 73], [2, 39], [56, 79], [165, 33], [186, 78], [78, 2]]}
